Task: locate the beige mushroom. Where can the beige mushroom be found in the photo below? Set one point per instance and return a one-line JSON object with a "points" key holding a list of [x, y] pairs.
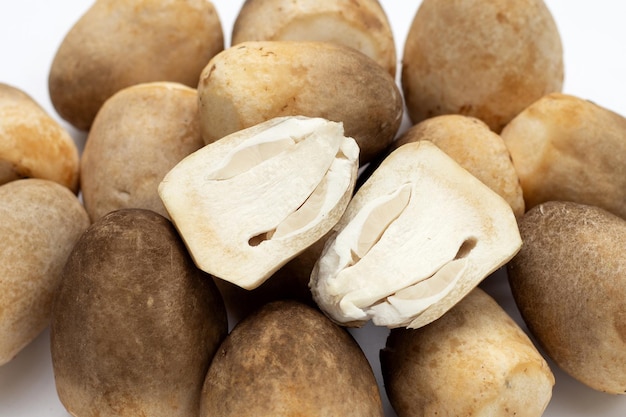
{"points": [[418, 236], [251, 201], [287, 359], [41, 223], [565, 148], [569, 282], [483, 58], [139, 134], [119, 43], [252, 82], [474, 361], [32, 143], [361, 25]]}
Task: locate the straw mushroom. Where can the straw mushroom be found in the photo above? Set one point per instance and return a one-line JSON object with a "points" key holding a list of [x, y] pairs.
{"points": [[474, 361], [361, 25], [134, 323], [32, 143], [483, 58], [119, 43], [418, 236], [139, 134], [253, 82], [568, 282], [566, 148], [41, 223], [248, 203], [475, 147]]}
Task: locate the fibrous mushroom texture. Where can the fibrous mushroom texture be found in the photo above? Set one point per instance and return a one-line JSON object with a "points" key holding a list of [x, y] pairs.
{"points": [[251, 201], [418, 236]]}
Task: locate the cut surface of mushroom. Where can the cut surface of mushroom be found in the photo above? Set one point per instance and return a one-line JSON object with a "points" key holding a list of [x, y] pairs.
{"points": [[416, 238], [251, 201]]}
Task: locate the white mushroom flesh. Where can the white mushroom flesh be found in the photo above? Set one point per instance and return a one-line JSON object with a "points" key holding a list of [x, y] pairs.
{"points": [[248, 203], [418, 236]]}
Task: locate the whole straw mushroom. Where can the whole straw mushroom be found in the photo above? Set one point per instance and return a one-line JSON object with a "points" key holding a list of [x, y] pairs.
{"points": [[360, 24], [32, 143], [417, 237], [488, 59], [119, 43], [41, 223]]}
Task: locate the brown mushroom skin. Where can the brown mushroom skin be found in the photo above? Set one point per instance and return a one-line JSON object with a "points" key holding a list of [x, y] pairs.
{"points": [[566, 148], [41, 222], [139, 134], [483, 58], [119, 43], [253, 82], [288, 359], [569, 281], [135, 323], [32, 143], [473, 361]]}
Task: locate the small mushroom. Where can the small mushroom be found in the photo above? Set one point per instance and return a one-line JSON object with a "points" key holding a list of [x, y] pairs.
{"points": [[569, 284], [135, 324], [41, 223], [32, 143], [418, 236], [474, 361], [362, 25], [287, 359], [483, 58], [248, 203], [565, 148], [252, 82], [116, 170], [119, 43]]}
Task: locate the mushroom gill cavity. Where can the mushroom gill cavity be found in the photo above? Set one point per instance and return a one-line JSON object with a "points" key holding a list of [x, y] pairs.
{"points": [[263, 146], [375, 218], [407, 303], [324, 197]]}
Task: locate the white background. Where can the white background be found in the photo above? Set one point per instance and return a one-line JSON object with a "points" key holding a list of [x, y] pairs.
{"points": [[594, 39]]}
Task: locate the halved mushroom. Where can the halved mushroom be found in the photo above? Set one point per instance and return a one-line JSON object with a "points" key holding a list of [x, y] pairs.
{"points": [[419, 235], [248, 203]]}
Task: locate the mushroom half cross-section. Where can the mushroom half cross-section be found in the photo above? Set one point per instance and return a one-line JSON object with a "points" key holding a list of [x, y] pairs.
{"points": [[417, 237], [248, 203]]}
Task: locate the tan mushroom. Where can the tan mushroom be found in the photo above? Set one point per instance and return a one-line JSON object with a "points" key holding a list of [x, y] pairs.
{"points": [[483, 58], [32, 143], [474, 361], [140, 133], [41, 223], [119, 43], [569, 282], [565, 148], [471, 143], [252, 82], [361, 25]]}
